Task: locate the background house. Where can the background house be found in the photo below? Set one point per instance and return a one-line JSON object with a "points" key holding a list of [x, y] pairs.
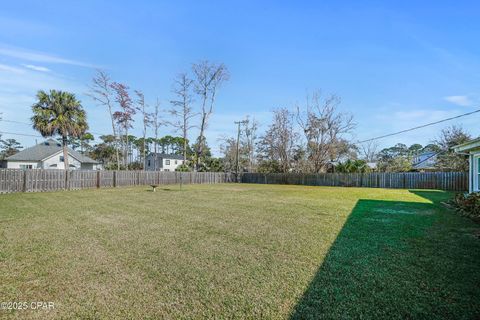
{"points": [[164, 162], [425, 161], [472, 149], [49, 155]]}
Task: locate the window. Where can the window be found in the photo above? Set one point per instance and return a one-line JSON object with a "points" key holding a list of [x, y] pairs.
{"points": [[148, 164], [26, 166], [167, 162], [166, 169], [62, 159], [176, 161]]}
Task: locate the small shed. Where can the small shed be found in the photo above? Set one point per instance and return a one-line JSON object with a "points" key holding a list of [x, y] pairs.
{"points": [[472, 149]]}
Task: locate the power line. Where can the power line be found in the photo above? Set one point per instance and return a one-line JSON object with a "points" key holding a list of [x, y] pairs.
{"points": [[363, 141], [419, 127], [25, 123], [21, 134], [13, 121]]}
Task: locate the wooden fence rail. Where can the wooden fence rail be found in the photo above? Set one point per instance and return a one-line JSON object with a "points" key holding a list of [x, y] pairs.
{"points": [[38, 180], [449, 181]]}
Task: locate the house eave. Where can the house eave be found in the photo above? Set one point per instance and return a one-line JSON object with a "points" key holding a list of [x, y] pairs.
{"points": [[470, 146]]}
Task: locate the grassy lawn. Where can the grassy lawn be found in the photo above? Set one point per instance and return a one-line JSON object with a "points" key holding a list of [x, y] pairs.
{"points": [[239, 251]]}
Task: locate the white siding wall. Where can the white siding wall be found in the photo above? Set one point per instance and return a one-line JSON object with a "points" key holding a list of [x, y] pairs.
{"points": [[54, 162], [173, 164], [20, 164]]}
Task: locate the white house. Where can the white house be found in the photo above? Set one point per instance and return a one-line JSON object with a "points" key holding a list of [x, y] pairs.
{"points": [[472, 149], [49, 155], [164, 162]]}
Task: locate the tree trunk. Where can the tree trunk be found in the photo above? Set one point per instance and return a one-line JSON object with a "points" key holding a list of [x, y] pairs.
{"points": [[200, 141], [184, 135], [184, 150], [126, 149], [117, 153], [144, 156], [155, 153], [65, 153]]}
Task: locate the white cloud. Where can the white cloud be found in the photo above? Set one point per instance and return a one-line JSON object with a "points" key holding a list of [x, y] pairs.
{"points": [[4, 67], [463, 101], [36, 68], [24, 54]]}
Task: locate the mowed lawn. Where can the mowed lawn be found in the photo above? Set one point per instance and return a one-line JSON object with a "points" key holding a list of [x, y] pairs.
{"points": [[239, 251]]}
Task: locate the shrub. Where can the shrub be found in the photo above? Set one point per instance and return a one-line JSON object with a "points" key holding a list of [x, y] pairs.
{"points": [[467, 204], [183, 168]]}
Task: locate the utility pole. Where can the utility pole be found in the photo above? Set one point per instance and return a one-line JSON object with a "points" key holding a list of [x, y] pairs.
{"points": [[238, 148]]}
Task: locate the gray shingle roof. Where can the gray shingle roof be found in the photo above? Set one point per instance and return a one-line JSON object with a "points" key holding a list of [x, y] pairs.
{"points": [[46, 149]]}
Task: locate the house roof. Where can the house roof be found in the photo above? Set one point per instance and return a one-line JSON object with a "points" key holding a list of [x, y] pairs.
{"points": [[167, 156], [372, 165], [46, 149], [471, 145], [426, 154]]}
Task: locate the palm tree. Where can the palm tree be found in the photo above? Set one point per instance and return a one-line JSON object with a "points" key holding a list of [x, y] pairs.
{"points": [[59, 113]]}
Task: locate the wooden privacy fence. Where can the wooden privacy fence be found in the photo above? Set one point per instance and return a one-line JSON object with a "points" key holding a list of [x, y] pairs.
{"points": [[37, 180], [449, 181]]}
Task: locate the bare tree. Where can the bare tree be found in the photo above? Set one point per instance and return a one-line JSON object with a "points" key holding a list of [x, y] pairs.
{"points": [[250, 133], [157, 123], [101, 92], [124, 117], [208, 79], [369, 151], [181, 108], [278, 143], [324, 129], [146, 119]]}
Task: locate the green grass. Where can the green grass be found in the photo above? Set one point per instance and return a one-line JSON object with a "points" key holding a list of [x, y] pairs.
{"points": [[239, 251]]}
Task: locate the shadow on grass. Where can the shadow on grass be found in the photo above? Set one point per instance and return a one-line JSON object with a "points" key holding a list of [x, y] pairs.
{"points": [[395, 259], [163, 189]]}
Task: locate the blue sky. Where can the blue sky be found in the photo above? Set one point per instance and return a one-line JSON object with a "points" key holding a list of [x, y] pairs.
{"points": [[395, 65]]}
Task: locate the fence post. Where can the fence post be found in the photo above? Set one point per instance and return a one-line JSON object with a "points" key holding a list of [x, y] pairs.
{"points": [[114, 178], [67, 179], [24, 181], [98, 179]]}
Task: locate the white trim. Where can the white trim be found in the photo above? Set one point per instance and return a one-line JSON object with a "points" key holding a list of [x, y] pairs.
{"points": [[476, 172], [58, 153], [468, 146]]}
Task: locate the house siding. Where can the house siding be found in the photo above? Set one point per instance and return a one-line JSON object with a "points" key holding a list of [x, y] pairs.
{"points": [[22, 164], [163, 163], [53, 162], [173, 164]]}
